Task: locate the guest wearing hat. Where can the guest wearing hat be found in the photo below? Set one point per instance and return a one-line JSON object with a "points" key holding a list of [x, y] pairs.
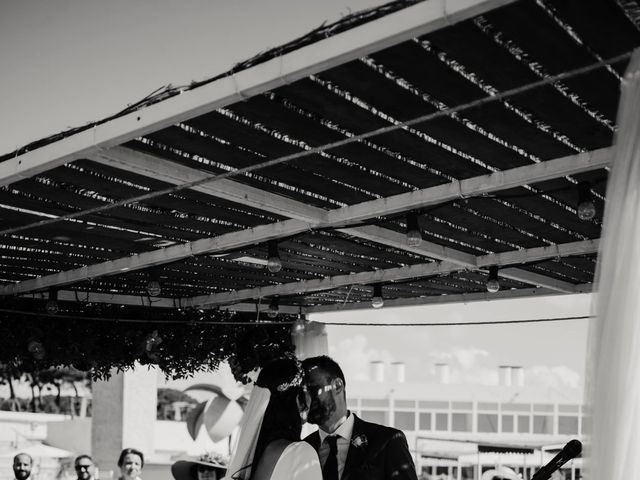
{"points": [[209, 466]]}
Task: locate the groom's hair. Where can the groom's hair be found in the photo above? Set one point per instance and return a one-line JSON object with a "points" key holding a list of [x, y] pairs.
{"points": [[326, 364]]}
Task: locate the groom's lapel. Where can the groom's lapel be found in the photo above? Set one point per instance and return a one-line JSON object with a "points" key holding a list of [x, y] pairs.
{"points": [[356, 454]]}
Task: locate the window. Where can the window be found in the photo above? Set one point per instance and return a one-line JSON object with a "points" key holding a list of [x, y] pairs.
{"points": [[523, 424], [425, 420], [487, 423], [375, 402], [461, 422], [543, 424], [375, 416], [507, 423], [442, 422], [405, 420], [567, 425]]}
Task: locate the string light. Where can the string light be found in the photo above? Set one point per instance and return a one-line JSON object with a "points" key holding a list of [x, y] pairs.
{"points": [[154, 288], [376, 299], [274, 264], [52, 304], [493, 284], [299, 325], [414, 236], [586, 207], [274, 308]]}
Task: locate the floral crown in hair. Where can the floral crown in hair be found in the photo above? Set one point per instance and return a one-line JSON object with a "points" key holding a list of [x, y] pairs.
{"points": [[296, 381]]}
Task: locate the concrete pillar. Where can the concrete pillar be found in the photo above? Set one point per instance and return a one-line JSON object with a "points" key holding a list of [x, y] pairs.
{"points": [[442, 372], [399, 372], [505, 375], [123, 416], [377, 371], [517, 376]]}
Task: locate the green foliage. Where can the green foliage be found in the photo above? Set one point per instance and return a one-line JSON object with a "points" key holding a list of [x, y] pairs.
{"points": [[180, 342], [167, 397]]}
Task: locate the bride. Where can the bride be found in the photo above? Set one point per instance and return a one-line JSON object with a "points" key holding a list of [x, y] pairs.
{"points": [[269, 446]]}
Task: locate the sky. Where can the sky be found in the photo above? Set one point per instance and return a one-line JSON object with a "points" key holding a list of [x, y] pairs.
{"points": [[66, 63], [551, 353]]}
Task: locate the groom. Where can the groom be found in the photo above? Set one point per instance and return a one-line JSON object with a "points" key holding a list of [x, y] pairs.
{"points": [[350, 448]]}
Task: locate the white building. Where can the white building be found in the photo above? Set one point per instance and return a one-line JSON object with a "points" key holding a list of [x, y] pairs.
{"points": [[445, 422]]}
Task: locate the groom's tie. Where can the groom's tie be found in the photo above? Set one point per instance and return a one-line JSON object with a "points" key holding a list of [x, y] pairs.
{"points": [[330, 470]]}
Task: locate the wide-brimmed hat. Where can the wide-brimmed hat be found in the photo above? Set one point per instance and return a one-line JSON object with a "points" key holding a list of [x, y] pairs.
{"points": [[186, 468]]}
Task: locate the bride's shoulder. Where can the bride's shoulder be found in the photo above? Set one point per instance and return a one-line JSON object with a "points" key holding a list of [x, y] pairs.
{"points": [[300, 448]]}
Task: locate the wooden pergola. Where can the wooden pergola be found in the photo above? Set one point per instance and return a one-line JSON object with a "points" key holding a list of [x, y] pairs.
{"points": [[481, 123]]}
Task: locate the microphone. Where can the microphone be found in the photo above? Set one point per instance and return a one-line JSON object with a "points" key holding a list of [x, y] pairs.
{"points": [[569, 451]]}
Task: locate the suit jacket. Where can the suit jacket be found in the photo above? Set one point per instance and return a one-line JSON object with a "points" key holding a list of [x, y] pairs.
{"points": [[376, 452]]}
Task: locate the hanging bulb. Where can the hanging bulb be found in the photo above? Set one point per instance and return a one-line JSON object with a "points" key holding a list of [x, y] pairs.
{"points": [[376, 300], [273, 308], [52, 304], [153, 288], [493, 285], [274, 264], [298, 327], [36, 349], [414, 237], [586, 207]]}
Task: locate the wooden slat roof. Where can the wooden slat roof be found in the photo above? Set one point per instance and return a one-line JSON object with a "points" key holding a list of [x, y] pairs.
{"points": [[503, 60]]}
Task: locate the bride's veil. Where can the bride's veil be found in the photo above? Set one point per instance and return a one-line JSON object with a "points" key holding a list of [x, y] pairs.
{"points": [[240, 463]]}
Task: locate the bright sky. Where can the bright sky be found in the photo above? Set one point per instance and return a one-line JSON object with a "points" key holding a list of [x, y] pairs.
{"points": [[66, 63], [552, 353]]}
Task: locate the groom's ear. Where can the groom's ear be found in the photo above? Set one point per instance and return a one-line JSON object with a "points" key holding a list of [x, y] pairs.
{"points": [[338, 385]]}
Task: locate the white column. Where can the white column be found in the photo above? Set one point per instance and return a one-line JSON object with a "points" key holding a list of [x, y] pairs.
{"points": [[123, 416]]}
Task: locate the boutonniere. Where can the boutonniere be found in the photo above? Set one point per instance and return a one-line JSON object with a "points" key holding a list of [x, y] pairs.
{"points": [[360, 441]]}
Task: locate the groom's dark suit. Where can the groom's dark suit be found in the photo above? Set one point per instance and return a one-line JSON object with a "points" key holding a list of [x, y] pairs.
{"points": [[376, 452]]}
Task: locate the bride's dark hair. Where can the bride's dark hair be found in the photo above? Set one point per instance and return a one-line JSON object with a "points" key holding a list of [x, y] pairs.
{"points": [[283, 378]]}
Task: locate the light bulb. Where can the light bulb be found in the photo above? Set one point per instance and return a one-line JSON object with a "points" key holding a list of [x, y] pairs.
{"points": [[586, 207], [274, 308], [586, 210], [414, 238], [274, 264], [377, 302], [36, 349], [493, 285], [299, 325], [51, 307], [154, 288], [376, 298]]}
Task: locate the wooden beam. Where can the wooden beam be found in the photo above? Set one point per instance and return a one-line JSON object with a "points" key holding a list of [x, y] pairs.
{"points": [[173, 173], [227, 241], [153, 302], [441, 193], [471, 187], [378, 276], [327, 283], [583, 247], [444, 299], [354, 43], [533, 278]]}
